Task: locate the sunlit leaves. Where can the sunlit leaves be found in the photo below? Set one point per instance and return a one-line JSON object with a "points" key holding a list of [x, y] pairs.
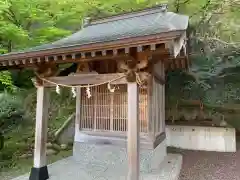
{"points": [[6, 79], [11, 32], [27, 23], [44, 35]]}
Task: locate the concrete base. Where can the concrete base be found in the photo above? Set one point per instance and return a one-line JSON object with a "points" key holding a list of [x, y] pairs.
{"points": [[168, 170], [71, 170], [201, 138], [116, 139]]}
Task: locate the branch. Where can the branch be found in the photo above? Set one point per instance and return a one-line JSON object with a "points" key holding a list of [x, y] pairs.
{"points": [[17, 22], [177, 6], [9, 16], [186, 1], [224, 42], [234, 44]]}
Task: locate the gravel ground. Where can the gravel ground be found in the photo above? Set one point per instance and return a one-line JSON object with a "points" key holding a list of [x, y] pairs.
{"points": [[199, 165]]}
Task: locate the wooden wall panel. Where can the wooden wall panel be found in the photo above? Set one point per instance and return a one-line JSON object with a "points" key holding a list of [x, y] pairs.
{"points": [[157, 103]]}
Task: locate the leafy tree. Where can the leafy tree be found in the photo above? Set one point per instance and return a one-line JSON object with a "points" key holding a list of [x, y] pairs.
{"points": [[6, 80], [214, 27]]}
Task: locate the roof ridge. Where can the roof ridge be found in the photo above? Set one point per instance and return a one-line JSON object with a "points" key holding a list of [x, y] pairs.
{"points": [[127, 15]]}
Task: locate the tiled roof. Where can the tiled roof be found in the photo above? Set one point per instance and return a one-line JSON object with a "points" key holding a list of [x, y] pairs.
{"points": [[150, 22]]}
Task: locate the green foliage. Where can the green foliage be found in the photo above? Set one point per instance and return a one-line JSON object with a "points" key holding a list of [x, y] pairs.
{"points": [[6, 80], [213, 33], [11, 111], [214, 44], [18, 114], [22, 79]]}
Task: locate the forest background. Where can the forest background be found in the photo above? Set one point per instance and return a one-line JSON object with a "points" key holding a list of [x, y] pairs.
{"points": [[213, 79]]}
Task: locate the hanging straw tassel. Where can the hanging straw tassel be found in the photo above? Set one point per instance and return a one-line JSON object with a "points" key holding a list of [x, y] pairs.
{"points": [[88, 92], [57, 89], [74, 93], [110, 88]]}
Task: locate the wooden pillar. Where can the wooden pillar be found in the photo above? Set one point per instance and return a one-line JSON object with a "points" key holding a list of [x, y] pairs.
{"points": [[111, 110], [163, 100], [150, 107], [133, 131], [154, 102], [95, 109], [78, 111], [159, 113], [39, 170], [161, 108], [156, 107]]}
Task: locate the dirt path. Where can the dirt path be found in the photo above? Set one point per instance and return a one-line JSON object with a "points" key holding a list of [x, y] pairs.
{"points": [[199, 165]]}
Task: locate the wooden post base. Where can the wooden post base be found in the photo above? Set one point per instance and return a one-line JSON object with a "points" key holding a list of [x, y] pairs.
{"points": [[39, 173]]}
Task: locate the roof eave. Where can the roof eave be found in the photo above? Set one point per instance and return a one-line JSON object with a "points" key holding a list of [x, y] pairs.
{"points": [[166, 36]]}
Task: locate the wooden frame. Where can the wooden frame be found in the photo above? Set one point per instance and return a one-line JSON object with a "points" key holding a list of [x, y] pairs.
{"points": [[85, 79]]}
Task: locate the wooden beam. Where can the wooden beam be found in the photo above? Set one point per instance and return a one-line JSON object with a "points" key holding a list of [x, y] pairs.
{"points": [[40, 162], [133, 131], [81, 57], [73, 58], [83, 79], [31, 63]]}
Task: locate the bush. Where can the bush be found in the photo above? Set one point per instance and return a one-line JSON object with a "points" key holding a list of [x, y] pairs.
{"points": [[11, 111]]}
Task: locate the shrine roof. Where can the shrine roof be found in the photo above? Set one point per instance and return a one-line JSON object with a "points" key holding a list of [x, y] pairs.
{"points": [[137, 24], [126, 26]]}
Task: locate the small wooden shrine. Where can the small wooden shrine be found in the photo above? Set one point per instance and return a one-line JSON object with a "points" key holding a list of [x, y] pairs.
{"points": [[117, 72]]}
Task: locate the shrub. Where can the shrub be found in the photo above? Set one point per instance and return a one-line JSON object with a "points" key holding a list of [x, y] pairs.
{"points": [[11, 111]]}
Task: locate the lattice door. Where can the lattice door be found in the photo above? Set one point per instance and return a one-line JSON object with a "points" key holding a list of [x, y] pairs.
{"points": [[106, 111]]}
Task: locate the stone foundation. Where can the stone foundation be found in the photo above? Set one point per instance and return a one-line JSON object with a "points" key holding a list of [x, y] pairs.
{"points": [[71, 169], [112, 154]]}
